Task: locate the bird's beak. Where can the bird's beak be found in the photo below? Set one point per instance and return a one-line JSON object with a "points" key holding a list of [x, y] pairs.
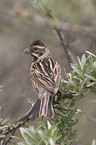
{"points": [[27, 50]]}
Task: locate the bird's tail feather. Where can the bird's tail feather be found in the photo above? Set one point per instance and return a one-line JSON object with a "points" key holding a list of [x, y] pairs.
{"points": [[42, 107]]}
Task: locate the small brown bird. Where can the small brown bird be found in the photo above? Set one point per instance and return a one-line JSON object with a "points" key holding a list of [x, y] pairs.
{"points": [[45, 75]]}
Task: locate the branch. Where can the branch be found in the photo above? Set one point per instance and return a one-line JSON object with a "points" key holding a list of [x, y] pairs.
{"points": [[11, 130], [59, 35], [64, 96]]}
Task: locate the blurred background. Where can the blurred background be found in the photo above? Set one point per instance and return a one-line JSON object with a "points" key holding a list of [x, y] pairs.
{"points": [[23, 21]]}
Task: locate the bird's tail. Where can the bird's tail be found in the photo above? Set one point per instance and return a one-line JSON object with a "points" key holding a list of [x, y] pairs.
{"points": [[42, 107]]}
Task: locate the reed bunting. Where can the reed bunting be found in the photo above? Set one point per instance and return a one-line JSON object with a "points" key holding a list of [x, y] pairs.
{"points": [[45, 75]]}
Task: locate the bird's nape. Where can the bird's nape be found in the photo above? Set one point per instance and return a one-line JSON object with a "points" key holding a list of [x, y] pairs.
{"points": [[37, 42]]}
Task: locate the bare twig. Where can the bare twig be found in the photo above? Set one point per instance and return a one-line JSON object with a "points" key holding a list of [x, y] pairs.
{"points": [[59, 35]]}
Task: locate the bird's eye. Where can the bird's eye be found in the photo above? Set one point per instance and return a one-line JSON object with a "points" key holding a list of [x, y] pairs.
{"points": [[35, 48]]}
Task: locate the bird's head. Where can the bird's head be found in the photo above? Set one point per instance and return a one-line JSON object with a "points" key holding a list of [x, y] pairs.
{"points": [[37, 48]]}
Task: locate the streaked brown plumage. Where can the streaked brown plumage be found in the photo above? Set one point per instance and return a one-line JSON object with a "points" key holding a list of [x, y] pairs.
{"points": [[45, 75]]}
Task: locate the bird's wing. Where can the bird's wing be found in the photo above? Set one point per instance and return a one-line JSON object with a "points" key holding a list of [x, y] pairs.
{"points": [[57, 76], [49, 81]]}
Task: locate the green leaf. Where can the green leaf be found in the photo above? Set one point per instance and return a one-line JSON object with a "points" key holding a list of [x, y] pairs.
{"points": [[82, 85], [90, 77], [72, 114], [83, 60], [91, 61], [15, 137], [90, 53], [73, 123], [49, 132], [43, 125], [90, 84], [86, 90], [79, 60], [73, 74], [94, 142], [72, 103], [2, 136], [84, 69], [26, 135], [42, 135], [69, 142], [66, 133], [49, 124], [94, 72], [75, 68], [74, 85], [59, 114], [21, 143], [89, 70], [55, 134], [30, 101], [58, 137]]}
